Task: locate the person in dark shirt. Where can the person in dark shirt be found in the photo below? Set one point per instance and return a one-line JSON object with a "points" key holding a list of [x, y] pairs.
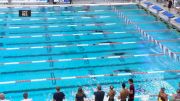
{"points": [[80, 95], [170, 3], [99, 95], [131, 90], [58, 96]]}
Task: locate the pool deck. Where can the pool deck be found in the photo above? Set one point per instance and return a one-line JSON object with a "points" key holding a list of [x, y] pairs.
{"points": [[170, 21]]}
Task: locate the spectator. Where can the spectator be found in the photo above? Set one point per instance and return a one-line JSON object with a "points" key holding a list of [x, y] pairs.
{"points": [[111, 94], [170, 4], [123, 93], [25, 96], [99, 95], [131, 90], [2, 97], [176, 97], [80, 95], [162, 95], [58, 96]]}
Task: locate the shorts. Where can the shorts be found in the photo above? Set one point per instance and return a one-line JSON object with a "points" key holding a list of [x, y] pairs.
{"points": [[130, 99], [110, 99], [169, 6]]}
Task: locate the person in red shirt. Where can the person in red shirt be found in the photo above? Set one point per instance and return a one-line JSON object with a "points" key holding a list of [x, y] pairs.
{"points": [[131, 90]]}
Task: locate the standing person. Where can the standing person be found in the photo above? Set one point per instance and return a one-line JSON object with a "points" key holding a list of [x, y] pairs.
{"points": [[162, 95], [111, 94], [80, 95], [99, 94], [2, 97], [170, 4], [176, 97], [131, 90], [70, 1], [25, 96], [58, 96], [123, 93]]}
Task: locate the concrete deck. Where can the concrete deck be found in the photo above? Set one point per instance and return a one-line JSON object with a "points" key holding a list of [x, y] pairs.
{"points": [[160, 15]]}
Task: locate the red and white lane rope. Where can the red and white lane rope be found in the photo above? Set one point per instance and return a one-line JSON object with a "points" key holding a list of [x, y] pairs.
{"points": [[88, 76], [62, 25], [78, 34], [75, 59], [63, 35], [84, 45], [54, 18], [64, 46]]}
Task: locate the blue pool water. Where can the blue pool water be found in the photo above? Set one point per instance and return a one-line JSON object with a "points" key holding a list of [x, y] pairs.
{"points": [[52, 43]]}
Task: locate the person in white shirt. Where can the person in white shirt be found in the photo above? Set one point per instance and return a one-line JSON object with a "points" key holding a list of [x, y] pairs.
{"points": [[2, 97], [25, 96]]}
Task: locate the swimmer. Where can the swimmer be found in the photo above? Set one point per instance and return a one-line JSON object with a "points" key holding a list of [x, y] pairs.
{"points": [[80, 95], [98, 31], [123, 93], [107, 42], [121, 53], [111, 94], [162, 95], [140, 89], [124, 70]]}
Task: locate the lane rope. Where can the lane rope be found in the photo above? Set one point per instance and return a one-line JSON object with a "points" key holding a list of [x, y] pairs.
{"points": [[85, 45], [75, 59], [88, 76]]}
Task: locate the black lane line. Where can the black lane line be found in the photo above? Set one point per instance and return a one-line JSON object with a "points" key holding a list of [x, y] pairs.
{"points": [[69, 41], [74, 68], [119, 52], [95, 84]]}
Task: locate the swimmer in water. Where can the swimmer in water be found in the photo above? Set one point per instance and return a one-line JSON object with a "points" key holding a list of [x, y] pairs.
{"points": [[107, 42], [98, 31], [111, 94], [124, 70], [121, 53]]}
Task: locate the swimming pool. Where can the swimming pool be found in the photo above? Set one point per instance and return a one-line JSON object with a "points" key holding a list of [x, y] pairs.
{"points": [[84, 46]]}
